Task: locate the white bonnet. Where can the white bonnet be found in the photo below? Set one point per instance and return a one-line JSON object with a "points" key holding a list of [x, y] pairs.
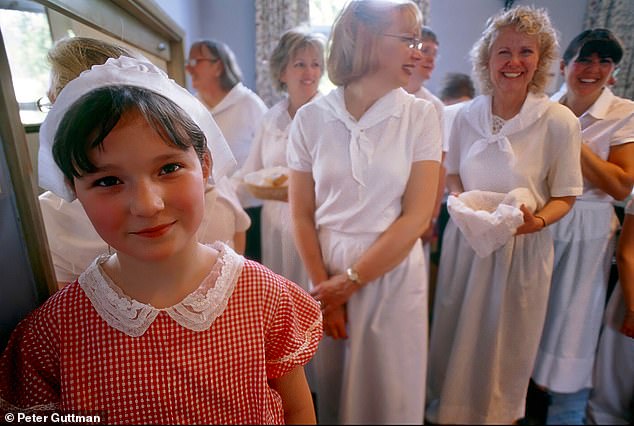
{"points": [[130, 72]]}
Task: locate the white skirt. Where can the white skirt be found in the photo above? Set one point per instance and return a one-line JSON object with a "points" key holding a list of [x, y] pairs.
{"points": [[488, 317], [584, 246], [279, 253], [377, 375], [612, 397]]}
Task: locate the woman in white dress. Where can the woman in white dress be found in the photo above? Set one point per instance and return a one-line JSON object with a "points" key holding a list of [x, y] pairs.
{"points": [[584, 238], [236, 109], [489, 311], [73, 241], [364, 165], [612, 397], [296, 65]]}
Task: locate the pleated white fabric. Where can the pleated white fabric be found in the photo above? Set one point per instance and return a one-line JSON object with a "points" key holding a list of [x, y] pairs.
{"points": [[584, 243], [611, 398], [377, 375], [486, 327], [489, 312]]}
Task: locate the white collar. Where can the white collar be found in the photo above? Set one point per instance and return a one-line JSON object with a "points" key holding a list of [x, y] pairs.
{"points": [[601, 107], [362, 148], [234, 95], [197, 311]]}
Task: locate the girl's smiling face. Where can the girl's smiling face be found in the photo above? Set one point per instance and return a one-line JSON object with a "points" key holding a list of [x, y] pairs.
{"points": [[513, 61], [146, 198]]}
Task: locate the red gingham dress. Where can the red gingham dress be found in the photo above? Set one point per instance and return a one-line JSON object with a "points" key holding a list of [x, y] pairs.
{"points": [[66, 353]]}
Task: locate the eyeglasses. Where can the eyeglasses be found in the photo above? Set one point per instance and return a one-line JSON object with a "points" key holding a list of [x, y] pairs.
{"points": [[193, 62], [429, 50], [412, 42], [44, 104]]}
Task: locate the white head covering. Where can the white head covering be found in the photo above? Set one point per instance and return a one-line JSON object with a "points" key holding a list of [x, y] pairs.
{"points": [[130, 72]]}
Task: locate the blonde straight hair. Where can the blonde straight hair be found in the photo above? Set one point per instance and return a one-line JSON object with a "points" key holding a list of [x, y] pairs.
{"points": [[353, 40], [69, 57]]}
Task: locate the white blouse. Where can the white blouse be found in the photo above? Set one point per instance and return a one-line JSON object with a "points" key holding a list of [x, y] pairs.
{"points": [[361, 167], [424, 93], [238, 115], [608, 122], [538, 149]]}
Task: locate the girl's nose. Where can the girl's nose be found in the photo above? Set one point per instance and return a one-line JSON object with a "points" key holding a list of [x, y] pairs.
{"points": [[146, 200]]}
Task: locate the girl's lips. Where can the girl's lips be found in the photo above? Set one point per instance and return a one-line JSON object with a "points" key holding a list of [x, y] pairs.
{"points": [[155, 231]]}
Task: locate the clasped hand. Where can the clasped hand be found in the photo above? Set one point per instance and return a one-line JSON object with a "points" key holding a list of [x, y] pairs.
{"points": [[333, 294]]}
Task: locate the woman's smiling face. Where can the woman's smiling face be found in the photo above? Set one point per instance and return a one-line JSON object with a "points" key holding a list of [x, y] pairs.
{"points": [[513, 61]]}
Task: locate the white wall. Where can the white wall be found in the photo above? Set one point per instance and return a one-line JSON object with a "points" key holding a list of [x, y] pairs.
{"points": [[459, 23]]}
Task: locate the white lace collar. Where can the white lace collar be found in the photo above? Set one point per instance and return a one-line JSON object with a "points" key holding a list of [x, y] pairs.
{"points": [[195, 312]]}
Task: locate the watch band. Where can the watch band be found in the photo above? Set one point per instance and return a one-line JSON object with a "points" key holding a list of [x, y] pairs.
{"points": [[353, 276]]}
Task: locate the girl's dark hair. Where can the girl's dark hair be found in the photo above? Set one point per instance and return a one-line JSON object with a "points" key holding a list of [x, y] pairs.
{"points": [[93, 116]]}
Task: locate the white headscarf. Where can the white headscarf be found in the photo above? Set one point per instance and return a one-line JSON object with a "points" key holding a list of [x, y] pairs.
{"points": [[130, 72]]}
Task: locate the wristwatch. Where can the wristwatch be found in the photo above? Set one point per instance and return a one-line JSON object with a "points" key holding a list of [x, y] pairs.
{"points": [[353, 276]]}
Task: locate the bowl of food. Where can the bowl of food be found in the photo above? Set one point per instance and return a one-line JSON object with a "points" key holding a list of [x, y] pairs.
{"points": [[268, 184]]}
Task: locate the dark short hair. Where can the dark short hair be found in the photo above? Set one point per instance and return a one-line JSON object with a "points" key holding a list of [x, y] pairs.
{"points": [[93, 116], [231, 74], [456, 85], [427, 34], [597, 40]]}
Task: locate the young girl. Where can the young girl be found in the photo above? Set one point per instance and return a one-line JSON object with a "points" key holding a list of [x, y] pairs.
{"points": [[165, 330], [73, 241], [365, 162]]}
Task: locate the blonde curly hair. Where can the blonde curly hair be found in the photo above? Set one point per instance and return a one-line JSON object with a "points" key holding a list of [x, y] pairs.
{"points": [[524, 19]]}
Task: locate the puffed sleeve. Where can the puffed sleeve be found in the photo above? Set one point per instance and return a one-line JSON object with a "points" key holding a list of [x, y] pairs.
{"points": [[294, 331], [564, 175], [29, 366]]}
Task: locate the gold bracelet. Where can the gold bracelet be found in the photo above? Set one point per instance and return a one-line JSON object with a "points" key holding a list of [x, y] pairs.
{"points": [[543, 220]]}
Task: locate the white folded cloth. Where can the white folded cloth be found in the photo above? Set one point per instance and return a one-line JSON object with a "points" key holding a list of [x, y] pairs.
{"points": [[488, 220]]}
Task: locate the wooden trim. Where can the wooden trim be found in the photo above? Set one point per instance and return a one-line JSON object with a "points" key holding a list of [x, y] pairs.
{"points": [[23, 182], [140, 23]]}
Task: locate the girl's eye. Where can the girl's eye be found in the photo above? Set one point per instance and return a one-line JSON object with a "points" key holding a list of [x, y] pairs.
{"points": [[170, 168], [527, 52], [107, 181], [299, 65]]}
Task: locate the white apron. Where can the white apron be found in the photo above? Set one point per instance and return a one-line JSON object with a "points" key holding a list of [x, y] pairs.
{"points": [[377, 375], [584, 244], [488, 312]]}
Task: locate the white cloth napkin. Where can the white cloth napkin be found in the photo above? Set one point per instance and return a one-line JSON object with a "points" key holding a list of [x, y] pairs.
{"points": [[488, 220]]}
